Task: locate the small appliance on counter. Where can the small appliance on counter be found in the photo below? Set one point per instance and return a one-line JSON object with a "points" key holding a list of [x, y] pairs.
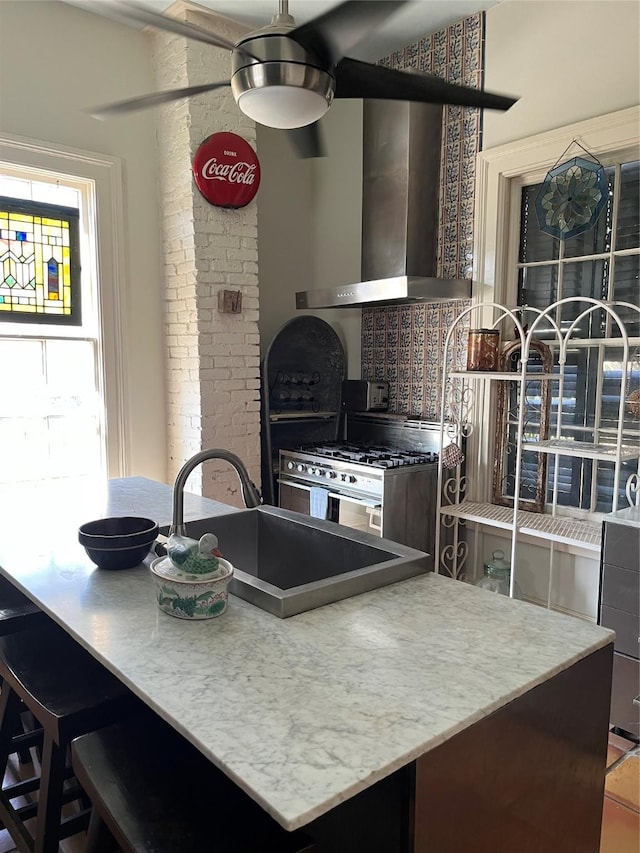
{"points": [[361, 395]]}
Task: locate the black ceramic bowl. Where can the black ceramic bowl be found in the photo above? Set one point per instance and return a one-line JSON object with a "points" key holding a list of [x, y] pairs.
{"points": [[118, 543]]}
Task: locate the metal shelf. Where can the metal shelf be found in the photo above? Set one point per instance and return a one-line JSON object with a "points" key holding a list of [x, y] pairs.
{"points": [[281, 417], [570, 531], [459, 419], [495, 374], [585, 449]]}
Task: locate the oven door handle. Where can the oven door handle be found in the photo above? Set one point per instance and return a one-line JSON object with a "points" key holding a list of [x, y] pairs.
{"points": [[370, 502]]}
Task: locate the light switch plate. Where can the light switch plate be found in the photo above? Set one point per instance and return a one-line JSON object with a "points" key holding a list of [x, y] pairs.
{"points": [[230, 301]]}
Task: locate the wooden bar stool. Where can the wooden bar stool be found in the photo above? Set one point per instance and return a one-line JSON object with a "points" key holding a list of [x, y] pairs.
{"points": [[68, 693], [153, 792], [18, 613]]}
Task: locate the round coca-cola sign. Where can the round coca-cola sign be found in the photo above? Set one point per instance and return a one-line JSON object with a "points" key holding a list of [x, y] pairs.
{"points": [[226, 170]]}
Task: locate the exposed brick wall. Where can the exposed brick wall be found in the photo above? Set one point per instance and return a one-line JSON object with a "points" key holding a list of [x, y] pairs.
{"points": [[213, 361]]}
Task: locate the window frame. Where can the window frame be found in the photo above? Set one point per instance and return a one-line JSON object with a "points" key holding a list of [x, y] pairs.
{"points": [[500, 174], [99, 179]]}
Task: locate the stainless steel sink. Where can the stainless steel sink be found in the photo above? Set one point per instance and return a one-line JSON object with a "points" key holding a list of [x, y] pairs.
{"points": [[286, 563]]}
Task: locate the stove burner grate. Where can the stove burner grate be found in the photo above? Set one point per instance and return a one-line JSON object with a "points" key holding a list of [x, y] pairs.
{"points": [[378, 456]]}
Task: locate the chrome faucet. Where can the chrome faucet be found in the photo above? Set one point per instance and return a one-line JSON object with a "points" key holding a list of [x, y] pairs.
{"points": [[249, 492]]}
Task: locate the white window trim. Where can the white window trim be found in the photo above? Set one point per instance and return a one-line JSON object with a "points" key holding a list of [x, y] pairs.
{"points": [[528, 160], [500, 172], [108, 226]]}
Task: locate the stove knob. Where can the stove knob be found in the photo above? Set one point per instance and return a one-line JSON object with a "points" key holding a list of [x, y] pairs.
{"points": [[290, 466], [351, 479], [331, 475], [318, 472], [301, 468]]}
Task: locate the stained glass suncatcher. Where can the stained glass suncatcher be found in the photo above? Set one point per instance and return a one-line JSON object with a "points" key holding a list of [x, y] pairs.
{"points": [[571, 198], [39, 263]]}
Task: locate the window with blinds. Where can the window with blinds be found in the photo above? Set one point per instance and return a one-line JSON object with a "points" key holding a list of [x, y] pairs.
{"points": [[603, 263]]}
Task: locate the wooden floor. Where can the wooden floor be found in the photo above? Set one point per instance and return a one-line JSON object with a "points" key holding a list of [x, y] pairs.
{"points": [[70, 845], [621, 813]]}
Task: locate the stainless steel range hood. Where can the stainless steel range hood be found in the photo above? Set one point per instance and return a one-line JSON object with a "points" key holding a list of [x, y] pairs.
{"points": [[400, 189]]}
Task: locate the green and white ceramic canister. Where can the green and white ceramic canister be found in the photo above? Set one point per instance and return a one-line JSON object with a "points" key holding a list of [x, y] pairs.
{"points": [[191, 596]]}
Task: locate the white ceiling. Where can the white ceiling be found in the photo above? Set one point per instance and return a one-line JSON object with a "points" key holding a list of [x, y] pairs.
{"points": [[415, 19]]}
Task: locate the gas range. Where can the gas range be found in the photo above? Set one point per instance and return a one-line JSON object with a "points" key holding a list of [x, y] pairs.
{"points": [[381, 479], [352, 468], [379, 456]]}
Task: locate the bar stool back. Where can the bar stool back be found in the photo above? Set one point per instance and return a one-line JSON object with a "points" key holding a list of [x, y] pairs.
{"points": [[68, 693], [156, 793], [17, 612]]}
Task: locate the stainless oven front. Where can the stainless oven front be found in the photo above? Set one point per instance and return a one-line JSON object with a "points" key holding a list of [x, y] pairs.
{"points": [[397, 503], [357, 512]]}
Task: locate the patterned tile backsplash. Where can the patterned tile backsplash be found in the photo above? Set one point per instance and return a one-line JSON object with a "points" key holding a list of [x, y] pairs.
{"points": [[405, 344]]}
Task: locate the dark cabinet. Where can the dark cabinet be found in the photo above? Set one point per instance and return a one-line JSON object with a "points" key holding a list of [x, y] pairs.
{"points": [[619, 609]]}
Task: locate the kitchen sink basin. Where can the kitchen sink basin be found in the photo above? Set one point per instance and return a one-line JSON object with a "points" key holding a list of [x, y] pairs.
{"points": [[286, 562]]}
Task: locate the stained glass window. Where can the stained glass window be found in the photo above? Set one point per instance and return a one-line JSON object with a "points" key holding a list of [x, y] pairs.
{"points": [[39, 263]]}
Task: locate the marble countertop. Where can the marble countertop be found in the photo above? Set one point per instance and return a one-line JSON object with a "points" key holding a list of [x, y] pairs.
{"points": [[301, 713]]}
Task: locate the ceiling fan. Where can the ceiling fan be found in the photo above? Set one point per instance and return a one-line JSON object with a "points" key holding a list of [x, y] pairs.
{"points": [[286, 76]]}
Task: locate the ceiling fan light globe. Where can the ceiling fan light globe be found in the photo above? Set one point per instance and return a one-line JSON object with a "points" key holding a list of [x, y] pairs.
{"points": [[283, 107]]}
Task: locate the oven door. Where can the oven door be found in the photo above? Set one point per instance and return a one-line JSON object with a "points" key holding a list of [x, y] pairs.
{"points": [[351, 511]]}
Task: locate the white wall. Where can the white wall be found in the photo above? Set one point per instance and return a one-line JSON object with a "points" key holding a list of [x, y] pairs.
{"points": [[574, 573], [309, 225], [566, 61], [285, 230], [56, 60], [338, 220]]}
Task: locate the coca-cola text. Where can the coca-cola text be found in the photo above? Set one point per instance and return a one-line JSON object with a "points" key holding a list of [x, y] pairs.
{"points": [[235, 173], [226, 170]]}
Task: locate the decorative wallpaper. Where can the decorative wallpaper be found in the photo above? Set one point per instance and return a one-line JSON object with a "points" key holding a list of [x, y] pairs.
{"points": [[405, 344]]}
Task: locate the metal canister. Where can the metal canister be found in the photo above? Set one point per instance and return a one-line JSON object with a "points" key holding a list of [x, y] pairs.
{"points": [[483, 349]]}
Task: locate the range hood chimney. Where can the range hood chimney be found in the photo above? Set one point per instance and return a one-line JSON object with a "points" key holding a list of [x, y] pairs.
{"points": [[400, 189]]}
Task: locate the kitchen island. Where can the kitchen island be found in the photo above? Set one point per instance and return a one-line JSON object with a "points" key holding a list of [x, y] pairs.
{"points": [[428, 715]]}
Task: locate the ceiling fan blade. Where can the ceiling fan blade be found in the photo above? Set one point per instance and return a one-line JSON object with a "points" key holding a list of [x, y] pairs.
{"points": [[307, 141], [134, 13], [356, 79], [144, 101], [332, 35]]}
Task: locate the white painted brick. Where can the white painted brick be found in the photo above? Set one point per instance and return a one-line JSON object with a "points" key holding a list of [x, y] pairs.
{"points": [[237, 274], [243, 348], [212, 359], [242, 372], [228, 241], [214, 374], [243, 254]]}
